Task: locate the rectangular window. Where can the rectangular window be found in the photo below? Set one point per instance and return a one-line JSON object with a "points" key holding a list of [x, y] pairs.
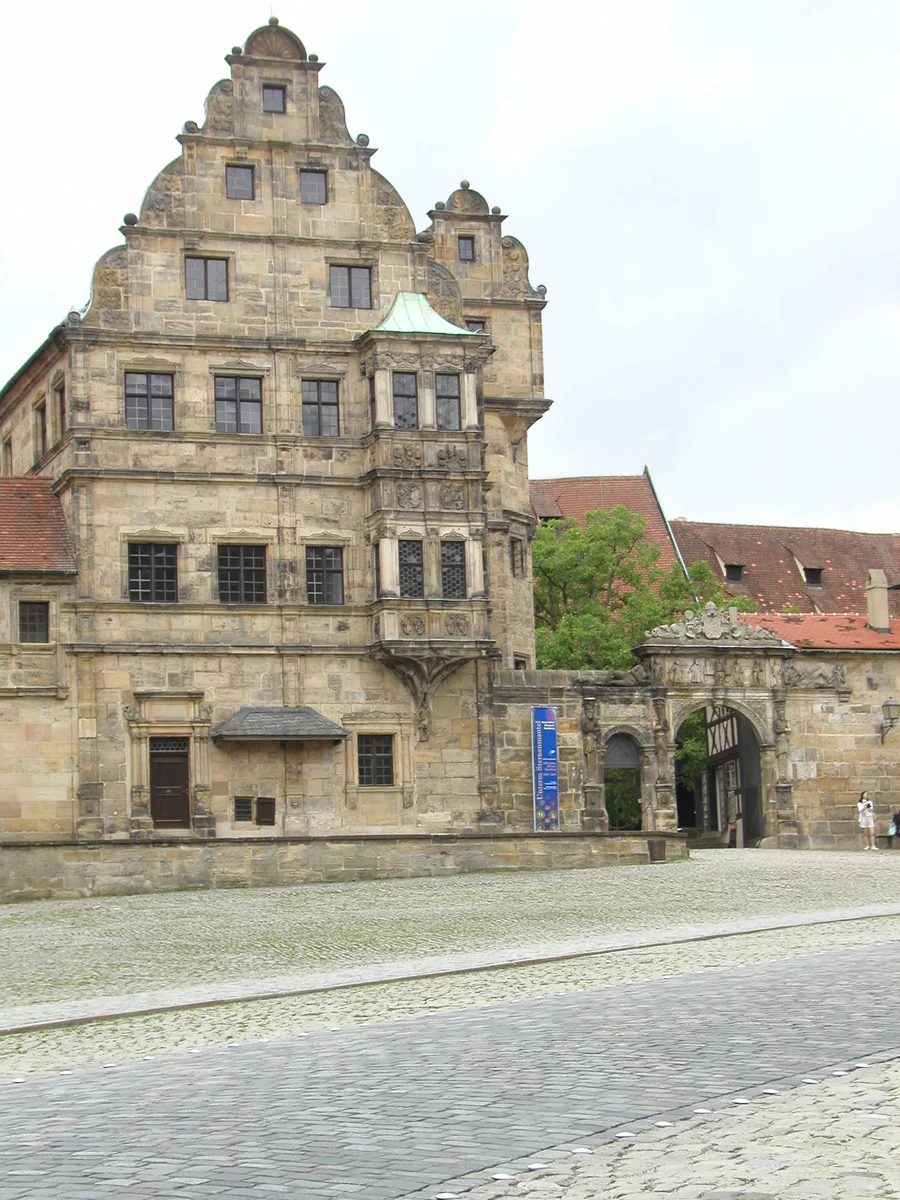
{"points": [[239, 183], [447, 394], [324, 575], [813, 576], [320, 408], [265, 810], [7, 456], [273, 98], [40, 431], [377, 549], [375, 755], [206, 278], [453, 570], [734, 573], [149, 401], [34, 621], [152, 572], [516, 556], [412, 582], [372, 400], [238, 405], [406, 400], [313, 187], [351, 287], [519, 663], [243, 808], [242, 574], [467, 249], [476, 325], [59, 393]]}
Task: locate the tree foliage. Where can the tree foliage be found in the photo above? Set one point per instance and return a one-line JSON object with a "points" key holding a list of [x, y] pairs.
{"points": [[691, 752], [598, 590]]}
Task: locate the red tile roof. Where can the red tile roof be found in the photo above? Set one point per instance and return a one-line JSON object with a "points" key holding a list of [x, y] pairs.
{"points": [[770, 555], [555, 498], [33, 531], [830, 631]]}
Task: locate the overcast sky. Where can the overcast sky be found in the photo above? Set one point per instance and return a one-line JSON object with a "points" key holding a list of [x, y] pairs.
{"points": [[708, 189]]}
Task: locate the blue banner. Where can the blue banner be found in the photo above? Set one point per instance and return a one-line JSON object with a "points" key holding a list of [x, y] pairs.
{"points": [[545, 760]]}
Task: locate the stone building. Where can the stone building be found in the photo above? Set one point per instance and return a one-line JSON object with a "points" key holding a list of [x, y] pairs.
{"points": [[287, 443]]}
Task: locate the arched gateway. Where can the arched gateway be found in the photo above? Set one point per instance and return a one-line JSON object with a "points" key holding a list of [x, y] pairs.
{"points": [[735, 673]]}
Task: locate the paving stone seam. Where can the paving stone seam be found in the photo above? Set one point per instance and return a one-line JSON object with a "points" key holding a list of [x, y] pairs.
{"points": [[16, 1021], [719, 1103]]}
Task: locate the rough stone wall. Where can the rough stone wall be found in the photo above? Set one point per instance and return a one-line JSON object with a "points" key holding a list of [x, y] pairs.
{"points": [[836, 750]]}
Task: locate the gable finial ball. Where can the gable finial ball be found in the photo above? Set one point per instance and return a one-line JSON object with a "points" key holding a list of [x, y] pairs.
{"points": [[237, 49], [314, 58], [440, 204], [464, 184], [130, 219], [273, 20], [496, 210]]}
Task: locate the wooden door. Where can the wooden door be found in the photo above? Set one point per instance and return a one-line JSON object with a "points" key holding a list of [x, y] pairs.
{"points": [[170, 799]]}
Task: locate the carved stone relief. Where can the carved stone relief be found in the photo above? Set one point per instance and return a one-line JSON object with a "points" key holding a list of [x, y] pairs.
{"points": [[456, 625], [412, 625], [452, 458], [452, 495], [712, 624], [407, 454], [818, 676], [220, 109], [332, 122], [409, 495]]}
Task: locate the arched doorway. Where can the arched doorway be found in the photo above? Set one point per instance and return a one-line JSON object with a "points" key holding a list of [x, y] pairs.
{"points": [[718, 776], [622, 782]]}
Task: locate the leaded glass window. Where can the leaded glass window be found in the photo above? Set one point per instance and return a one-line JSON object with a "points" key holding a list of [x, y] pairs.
{"points": [[453, 570], [412, 582], [152, 572], [406, 400], [242, 574], [320, 408], [447, 395], [149, 401], [238, 405], [324, 575], [375, 755]]}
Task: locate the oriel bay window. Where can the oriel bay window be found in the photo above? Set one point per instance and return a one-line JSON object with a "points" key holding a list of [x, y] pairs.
{"points": [[453, 570], [238, 405], [375, 759], [242, 574], [324, 575], [412, 581], [149, 401], [406, 400], [320, 408], [446, 389], [152, 572]]}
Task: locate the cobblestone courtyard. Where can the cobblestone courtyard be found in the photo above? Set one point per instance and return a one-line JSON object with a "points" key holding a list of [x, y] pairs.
{"points": [[431, 1086]]}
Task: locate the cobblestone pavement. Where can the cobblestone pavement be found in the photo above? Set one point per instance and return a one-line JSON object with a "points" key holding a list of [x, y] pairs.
{"points": [[388, 1109], [836, 1140], [76, 949]]}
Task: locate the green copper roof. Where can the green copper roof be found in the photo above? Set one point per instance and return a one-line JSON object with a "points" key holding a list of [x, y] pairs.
{"points": [[411, 313]]}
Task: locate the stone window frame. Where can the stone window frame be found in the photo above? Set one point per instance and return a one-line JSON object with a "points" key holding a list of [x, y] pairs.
{"points": [[310, 169], [468, 238], [401, 728], [281, 84], [321, 544], [33, 595], [241, 369], [520, 661], [228, 256], [40, 428], [319, 377], [8, 465], [243, 165], [458, 539], [242, 537], [59, 391], [145, 370], [154, 543], [158, 535]]}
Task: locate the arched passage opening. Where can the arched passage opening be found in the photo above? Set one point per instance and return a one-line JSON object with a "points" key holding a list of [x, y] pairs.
{"points": [[622, 780], [718, 776]]}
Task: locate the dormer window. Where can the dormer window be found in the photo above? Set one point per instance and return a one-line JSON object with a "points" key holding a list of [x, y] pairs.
{"points": [[273, 99], [734, 573], [813, 576]]}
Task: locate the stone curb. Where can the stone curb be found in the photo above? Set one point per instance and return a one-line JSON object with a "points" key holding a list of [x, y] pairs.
{"points": [[36, 1017]]}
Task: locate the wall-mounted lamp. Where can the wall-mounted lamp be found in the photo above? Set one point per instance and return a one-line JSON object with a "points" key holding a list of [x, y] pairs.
{"points": [[891, 715]]}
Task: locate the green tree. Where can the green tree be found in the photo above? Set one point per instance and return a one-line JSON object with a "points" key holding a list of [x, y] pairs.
{"points": [[597, 590]]}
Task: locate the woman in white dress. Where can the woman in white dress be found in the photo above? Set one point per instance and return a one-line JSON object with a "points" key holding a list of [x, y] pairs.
{"points": [[867, 820]]}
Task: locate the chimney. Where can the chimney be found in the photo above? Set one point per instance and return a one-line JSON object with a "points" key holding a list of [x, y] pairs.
{"points": [[877, 615]]}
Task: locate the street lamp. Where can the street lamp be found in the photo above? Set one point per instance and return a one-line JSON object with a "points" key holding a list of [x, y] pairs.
{"points": [[891, 714]]}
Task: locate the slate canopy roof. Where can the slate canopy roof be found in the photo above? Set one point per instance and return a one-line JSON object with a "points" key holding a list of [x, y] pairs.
{"points": [[301, 724]]}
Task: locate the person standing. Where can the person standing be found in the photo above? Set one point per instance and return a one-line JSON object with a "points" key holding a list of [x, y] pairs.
{"points": [[867, 820]]}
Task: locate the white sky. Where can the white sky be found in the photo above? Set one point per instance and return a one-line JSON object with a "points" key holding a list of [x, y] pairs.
{"points": [[708, 189]]}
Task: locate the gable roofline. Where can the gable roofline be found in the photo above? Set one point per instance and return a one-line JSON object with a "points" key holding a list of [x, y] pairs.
{"points": [[675, 545]]}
